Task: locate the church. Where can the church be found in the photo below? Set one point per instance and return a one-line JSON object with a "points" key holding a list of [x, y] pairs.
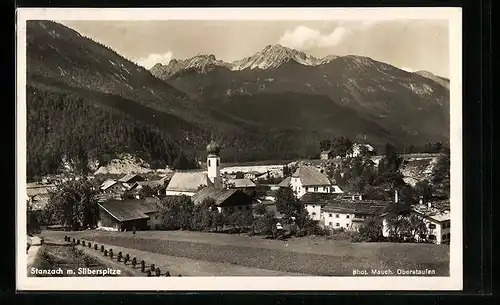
{"points": [[190, 182]]}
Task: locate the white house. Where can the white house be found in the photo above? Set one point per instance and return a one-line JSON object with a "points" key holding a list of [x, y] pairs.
{"points": [[310, 179], [349, 215], [436, 219]]}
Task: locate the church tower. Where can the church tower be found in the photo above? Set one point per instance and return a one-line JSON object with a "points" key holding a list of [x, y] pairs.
{"points": [[213, 164]]}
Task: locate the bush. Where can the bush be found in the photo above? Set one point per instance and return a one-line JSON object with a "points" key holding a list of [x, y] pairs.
{"points": [[167, 273], [111, 253], [149, 272], [77, 241], [143, 266], [105, 252], [102, 248], [152, 267], [90, 245], [83, 243], [134, 262], [127, 257], [158, 272], [74, 240], [95, 246]]}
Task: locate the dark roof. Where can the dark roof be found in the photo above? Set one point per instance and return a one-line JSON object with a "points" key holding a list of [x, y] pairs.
{"points": [[355, 207], [319, 197], [132, 209], [220, 195], [310, 175]]}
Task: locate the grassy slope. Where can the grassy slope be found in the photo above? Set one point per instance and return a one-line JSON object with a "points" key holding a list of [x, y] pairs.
{"points": [[301, 255]]}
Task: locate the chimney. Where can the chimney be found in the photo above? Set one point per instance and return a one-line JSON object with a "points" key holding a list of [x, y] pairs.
{"points": [[396, 196]]}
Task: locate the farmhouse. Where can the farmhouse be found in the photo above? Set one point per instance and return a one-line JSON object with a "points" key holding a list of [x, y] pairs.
{"points": [[310, 179], [38, 195], [226, 201], [314, 202], [350, 215], [127, 215]]}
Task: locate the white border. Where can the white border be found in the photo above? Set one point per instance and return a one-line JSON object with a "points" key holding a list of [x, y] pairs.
{"points": [[453, 282]]}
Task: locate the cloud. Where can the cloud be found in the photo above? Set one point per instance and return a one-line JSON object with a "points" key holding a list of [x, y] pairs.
{"points": [[152, 59], [304, 38]]}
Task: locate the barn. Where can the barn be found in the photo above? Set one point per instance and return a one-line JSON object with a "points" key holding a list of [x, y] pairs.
{"points": [[127, 215]]}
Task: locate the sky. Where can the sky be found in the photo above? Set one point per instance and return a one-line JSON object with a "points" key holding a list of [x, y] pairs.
{"points": [[411, 45]]}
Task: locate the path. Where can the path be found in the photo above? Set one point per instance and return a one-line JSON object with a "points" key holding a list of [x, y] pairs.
{"points": [[35, 243]]}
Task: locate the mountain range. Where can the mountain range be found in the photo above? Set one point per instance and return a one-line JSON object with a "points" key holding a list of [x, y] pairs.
{"points": [[277, 103]]}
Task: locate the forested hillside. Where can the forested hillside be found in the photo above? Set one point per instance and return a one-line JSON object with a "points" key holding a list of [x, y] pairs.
{"points": [[64, 126]]}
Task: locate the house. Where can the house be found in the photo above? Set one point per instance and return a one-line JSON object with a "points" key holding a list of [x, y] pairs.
{"points": [[326, 154], [127, 215], [357, 149], [436, 217], [350, 215], [131, 179], [245, 185], [37, 195], [314, 202], [227, 201], [189, 182], [114, 189], [310, 179]]}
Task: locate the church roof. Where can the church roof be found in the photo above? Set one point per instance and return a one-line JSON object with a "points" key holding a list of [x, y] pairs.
{"points": [[310, 175], [188, 181]]}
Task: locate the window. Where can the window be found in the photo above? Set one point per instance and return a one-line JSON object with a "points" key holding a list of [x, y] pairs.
{"points": [[448, 236], [444, 236], [314, 206], [217, 162], [313, 213], [347, 225], [346, 216], [337, 224], [315, 189], [330, 215], [208, 163], [432, 237], [336, 215], [432, 226], [330, 224]]}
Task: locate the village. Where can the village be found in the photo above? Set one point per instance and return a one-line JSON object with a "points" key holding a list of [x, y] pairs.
{"points": [[244, 195]]}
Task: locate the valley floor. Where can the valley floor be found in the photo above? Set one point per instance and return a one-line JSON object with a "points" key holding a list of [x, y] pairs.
{"points": [[306, 256]]}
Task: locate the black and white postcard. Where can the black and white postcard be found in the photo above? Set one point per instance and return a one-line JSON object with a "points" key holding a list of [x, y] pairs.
{"points": [[239, 149]]}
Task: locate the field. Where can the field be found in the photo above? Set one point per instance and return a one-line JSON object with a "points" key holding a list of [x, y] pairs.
{"points": [[313, 256]]}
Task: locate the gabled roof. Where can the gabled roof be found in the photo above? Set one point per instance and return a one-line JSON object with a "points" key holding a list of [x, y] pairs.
{"points": [[218, 194], [285, 182], [129, 177], [126, 210], [240, 183], [188, 181], [310, 175]]}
